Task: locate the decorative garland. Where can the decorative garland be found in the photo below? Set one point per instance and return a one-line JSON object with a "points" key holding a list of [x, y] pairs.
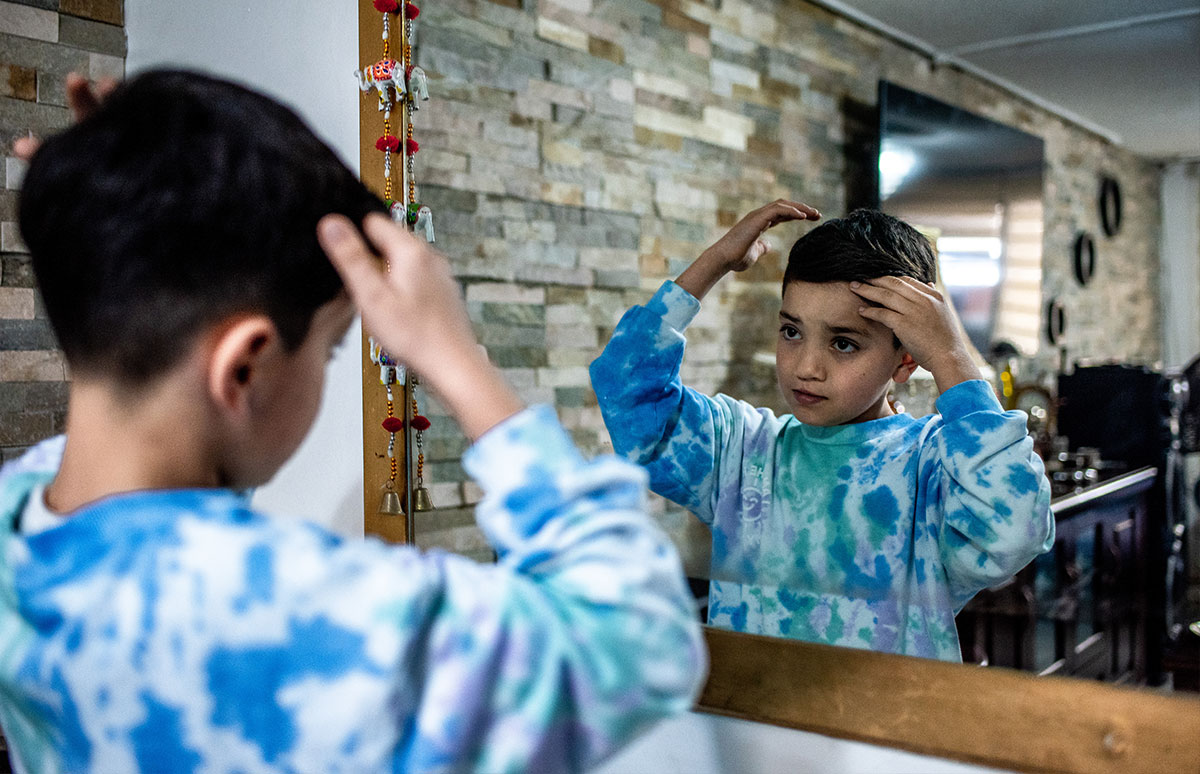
{"points": [[400, 83]]}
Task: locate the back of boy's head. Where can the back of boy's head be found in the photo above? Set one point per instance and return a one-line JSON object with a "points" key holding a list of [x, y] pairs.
{"points": [[861, 246], [182, 201]]}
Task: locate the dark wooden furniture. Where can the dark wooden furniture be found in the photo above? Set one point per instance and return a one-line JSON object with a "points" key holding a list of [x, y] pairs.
{"points": [[1082, 609]]}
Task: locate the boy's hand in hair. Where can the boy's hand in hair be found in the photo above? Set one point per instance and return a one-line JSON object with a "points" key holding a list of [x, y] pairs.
{"points": [[82, 98], [415, 310], [741, 246], [923, 321]]}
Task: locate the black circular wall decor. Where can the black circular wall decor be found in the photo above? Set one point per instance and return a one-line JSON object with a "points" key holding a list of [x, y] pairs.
{"points": [[1056, 321], [1085, 258], [1110, 206]]}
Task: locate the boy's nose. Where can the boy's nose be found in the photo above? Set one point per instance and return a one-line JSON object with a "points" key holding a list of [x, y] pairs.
{"points": [[810, 364]]}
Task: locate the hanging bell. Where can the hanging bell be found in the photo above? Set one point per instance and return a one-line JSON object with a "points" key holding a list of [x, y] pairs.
{"points": [[389, 504], [421, 501]]}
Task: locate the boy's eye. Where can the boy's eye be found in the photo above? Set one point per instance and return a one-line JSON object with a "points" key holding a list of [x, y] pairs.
{"points": [[844, 346], [789, 332]]}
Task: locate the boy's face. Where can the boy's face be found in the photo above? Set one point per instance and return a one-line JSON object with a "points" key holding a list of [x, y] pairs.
{"points": [[834, 366], [293, 395]]}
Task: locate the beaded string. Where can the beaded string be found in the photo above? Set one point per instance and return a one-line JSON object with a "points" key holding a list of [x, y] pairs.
{"points": [[387, 120], [409, 145], [419, 433]]}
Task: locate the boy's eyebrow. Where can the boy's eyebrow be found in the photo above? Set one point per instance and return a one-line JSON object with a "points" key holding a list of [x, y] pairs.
{"points": [[836, 329]]}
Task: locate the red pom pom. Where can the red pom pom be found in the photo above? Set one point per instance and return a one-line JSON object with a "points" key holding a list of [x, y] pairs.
{"points": [[420, 423], [413, 146], [386, 6], [388, 142], [411, 11], [393, 424]]}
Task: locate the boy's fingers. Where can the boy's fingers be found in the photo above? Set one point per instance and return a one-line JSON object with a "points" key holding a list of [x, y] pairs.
{"points": [[782, 208], [349, 255], [393, 242], [881, 314], [25, 147], [879, 295], [82, 99], [811, 212], [899, 286]]}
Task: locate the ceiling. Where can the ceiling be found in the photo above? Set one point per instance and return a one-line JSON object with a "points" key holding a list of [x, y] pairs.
{"points": [[1128, 71]]}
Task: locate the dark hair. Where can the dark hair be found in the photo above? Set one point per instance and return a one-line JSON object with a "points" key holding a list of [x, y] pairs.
{"points": [[182, 200], [863, 245]]}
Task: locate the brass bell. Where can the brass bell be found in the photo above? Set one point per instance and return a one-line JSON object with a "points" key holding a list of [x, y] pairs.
{"points": [[389, 504], [421, 501]]}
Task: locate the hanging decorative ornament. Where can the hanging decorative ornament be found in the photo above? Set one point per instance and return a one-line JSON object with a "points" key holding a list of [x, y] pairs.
{"points": [[418, 86], [400, 84], [383, 75], [419, 424], [390, 373]]}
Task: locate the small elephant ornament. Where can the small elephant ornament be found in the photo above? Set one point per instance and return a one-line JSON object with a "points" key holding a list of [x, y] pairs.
{"points": [[399, 212], [381, 75], [424, 224], [418, 85]]}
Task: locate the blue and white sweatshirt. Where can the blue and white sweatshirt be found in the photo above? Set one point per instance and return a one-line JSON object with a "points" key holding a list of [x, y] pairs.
{"points": [[870, 535], [179, 631]]}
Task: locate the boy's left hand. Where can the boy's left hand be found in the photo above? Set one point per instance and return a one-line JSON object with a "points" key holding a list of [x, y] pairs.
{"points": [[83, 98], [923, 321]]}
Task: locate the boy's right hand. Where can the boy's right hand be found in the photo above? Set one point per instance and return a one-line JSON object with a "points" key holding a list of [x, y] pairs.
{"points": [[415, 310], [741, 246]]}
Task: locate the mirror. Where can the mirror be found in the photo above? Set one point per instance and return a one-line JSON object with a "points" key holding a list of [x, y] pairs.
{"points": [[975, 187], [575, 159]]}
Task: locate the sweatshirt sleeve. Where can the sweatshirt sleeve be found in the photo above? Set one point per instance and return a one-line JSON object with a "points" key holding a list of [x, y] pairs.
{"points": [[579, 638], [675, 432], [993, 490]]}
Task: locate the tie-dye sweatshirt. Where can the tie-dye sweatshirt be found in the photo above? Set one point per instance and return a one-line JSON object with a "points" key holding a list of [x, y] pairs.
{"points": [[178, 631], [870, 535]]}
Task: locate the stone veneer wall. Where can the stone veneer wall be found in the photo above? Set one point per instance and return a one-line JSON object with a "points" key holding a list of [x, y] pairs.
{"points": [[41, 41], [576, 153]]}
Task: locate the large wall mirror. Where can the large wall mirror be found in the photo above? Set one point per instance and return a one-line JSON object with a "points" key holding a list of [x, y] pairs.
{"points": [[975, 187], [577, 155]]}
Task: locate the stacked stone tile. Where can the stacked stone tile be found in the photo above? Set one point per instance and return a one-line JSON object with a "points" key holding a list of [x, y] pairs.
{"points": [[40, 42]]}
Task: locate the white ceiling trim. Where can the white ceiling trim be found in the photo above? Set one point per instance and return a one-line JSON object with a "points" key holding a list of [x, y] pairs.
{"points": [[1073, 32], [939, 57]]}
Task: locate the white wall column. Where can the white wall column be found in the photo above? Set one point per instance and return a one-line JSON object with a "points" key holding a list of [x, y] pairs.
{"points": [[303, 53]]}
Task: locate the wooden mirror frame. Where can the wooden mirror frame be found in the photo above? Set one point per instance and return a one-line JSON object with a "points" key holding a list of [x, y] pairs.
{"points": [[983, 715]]}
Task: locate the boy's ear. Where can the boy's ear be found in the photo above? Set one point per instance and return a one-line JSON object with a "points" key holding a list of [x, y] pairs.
{"points": [[905, 369], [237, 359]]}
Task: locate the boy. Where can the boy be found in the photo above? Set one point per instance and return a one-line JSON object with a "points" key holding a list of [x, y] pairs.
{"points": [[843, 523], [152, 621]]}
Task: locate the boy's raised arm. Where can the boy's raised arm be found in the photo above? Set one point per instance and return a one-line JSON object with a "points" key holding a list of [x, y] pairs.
{"points": [[583, 634], [652, 417], [741, 246]]}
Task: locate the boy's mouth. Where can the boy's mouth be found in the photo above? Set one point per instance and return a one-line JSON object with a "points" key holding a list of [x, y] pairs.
{"points": [[806, 398]]}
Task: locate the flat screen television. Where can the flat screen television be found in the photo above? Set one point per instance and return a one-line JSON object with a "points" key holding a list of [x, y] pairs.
{"points": [[974, 187]]}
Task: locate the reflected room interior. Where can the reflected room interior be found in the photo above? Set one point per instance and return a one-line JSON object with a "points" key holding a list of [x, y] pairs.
{"points": [[1004, 192]]}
